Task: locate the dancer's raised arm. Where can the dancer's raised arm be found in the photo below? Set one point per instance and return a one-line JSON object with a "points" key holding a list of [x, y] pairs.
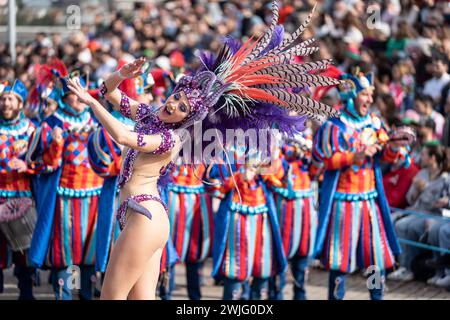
{"points": [[117, 130], [128, 107]]}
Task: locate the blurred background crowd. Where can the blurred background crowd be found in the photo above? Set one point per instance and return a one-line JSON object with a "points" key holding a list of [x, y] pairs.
{"points": [[405, 43]]}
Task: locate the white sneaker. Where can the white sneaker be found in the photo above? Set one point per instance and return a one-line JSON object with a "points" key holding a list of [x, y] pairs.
{"points": [[395, 274], [401, 275], [443, 282], [432, 281]]}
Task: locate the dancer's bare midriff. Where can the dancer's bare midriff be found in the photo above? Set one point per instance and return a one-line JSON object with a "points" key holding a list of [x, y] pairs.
{"points": [[144, 181]]}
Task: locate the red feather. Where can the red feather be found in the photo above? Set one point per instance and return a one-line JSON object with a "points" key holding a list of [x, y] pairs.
{"points": [[258, 94]]}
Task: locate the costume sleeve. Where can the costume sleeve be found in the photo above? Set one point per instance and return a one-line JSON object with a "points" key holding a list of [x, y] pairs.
{"points": [[219, 177], [104, 154], [44, 154], [125, 106], [331, 148], [6, 165], [276, 177], [228, 184]]}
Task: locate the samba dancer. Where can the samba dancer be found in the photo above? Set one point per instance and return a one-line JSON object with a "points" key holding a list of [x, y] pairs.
{"points": [[105, 157]]}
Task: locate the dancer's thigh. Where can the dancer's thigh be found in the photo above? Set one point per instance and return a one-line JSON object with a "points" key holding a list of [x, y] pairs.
{"points": [[145, 287], [135, 246]]}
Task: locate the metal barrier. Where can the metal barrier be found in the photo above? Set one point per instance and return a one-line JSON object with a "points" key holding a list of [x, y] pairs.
{"points": [[423, 215]]}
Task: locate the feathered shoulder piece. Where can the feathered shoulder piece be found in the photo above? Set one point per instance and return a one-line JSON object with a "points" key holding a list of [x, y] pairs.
{"points": [[251, 84]]}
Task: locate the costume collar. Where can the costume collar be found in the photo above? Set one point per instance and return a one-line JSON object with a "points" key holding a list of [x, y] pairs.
{"points": [[356, 122], [14, 127], [13, 122], [75, 123]]}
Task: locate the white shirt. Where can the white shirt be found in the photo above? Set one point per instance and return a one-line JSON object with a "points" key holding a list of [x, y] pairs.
{"points": [[434, 86]]}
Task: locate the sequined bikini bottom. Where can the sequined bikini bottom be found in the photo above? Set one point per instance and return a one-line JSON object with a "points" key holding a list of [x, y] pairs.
{"points": [[133, 203]]}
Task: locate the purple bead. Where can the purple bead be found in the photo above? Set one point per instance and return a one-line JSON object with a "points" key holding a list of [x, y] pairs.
{"points": [[167, 143], [125, 105], [140, 140], [122, 211], [148, 125], [103, 89]]}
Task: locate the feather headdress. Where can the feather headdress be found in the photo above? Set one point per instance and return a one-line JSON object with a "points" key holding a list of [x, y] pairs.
{"points": [[252, 84]]}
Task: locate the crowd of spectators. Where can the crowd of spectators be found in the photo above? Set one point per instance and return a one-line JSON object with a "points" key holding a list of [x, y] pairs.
{"points": [[405, 43]]}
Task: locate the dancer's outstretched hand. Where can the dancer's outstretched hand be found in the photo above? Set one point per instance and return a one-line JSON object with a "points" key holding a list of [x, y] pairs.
{"points": [[133, 69], [75, 86]]}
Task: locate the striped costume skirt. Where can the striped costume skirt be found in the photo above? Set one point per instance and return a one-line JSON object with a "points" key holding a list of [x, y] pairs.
{"points": [[191, 225], [356, 237], [73, 232], [249, 250], [298, 225], [7, 256]]}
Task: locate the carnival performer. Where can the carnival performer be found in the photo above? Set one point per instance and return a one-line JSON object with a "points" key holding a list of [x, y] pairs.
{"points": [[295, 206], [355, 227], [244, 86], [69, 189], [105, 157], [191, 221], [15, 182], [247, 241]]}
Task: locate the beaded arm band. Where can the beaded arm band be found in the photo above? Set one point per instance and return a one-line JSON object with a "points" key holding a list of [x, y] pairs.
{"points": [[167, 143], [143, 111], [140, 139], [103, 89], [125, 109]]}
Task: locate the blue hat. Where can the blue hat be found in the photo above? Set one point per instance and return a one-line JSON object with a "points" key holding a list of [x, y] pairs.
{"points": [[354, 84], [18, 88], [62, 86], [350, 87]]}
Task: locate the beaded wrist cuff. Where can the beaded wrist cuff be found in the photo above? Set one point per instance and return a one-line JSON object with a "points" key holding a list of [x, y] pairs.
{"points": [[103, 89], [140, 139], [125, 105], [167, 143]]}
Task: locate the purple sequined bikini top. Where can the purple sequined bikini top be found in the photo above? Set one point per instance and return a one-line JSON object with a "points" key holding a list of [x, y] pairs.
{"points": [[147, 123]]}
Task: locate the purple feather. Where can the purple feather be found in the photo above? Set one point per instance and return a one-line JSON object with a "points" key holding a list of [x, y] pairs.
{"points": [[233, 44], [208, 59], [277, 37]]}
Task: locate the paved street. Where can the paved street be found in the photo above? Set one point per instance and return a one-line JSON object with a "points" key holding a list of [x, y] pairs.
{"points": [[316, 288]]}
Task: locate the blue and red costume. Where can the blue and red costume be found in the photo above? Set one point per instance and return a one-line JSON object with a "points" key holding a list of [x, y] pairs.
{"points": [[14, 136], [297, 215], [191, 221], [355, 227], [247, 242], [67, 203]]}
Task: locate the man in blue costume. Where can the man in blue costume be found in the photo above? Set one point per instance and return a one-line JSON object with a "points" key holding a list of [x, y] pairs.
{"points": [[355, 227]]}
